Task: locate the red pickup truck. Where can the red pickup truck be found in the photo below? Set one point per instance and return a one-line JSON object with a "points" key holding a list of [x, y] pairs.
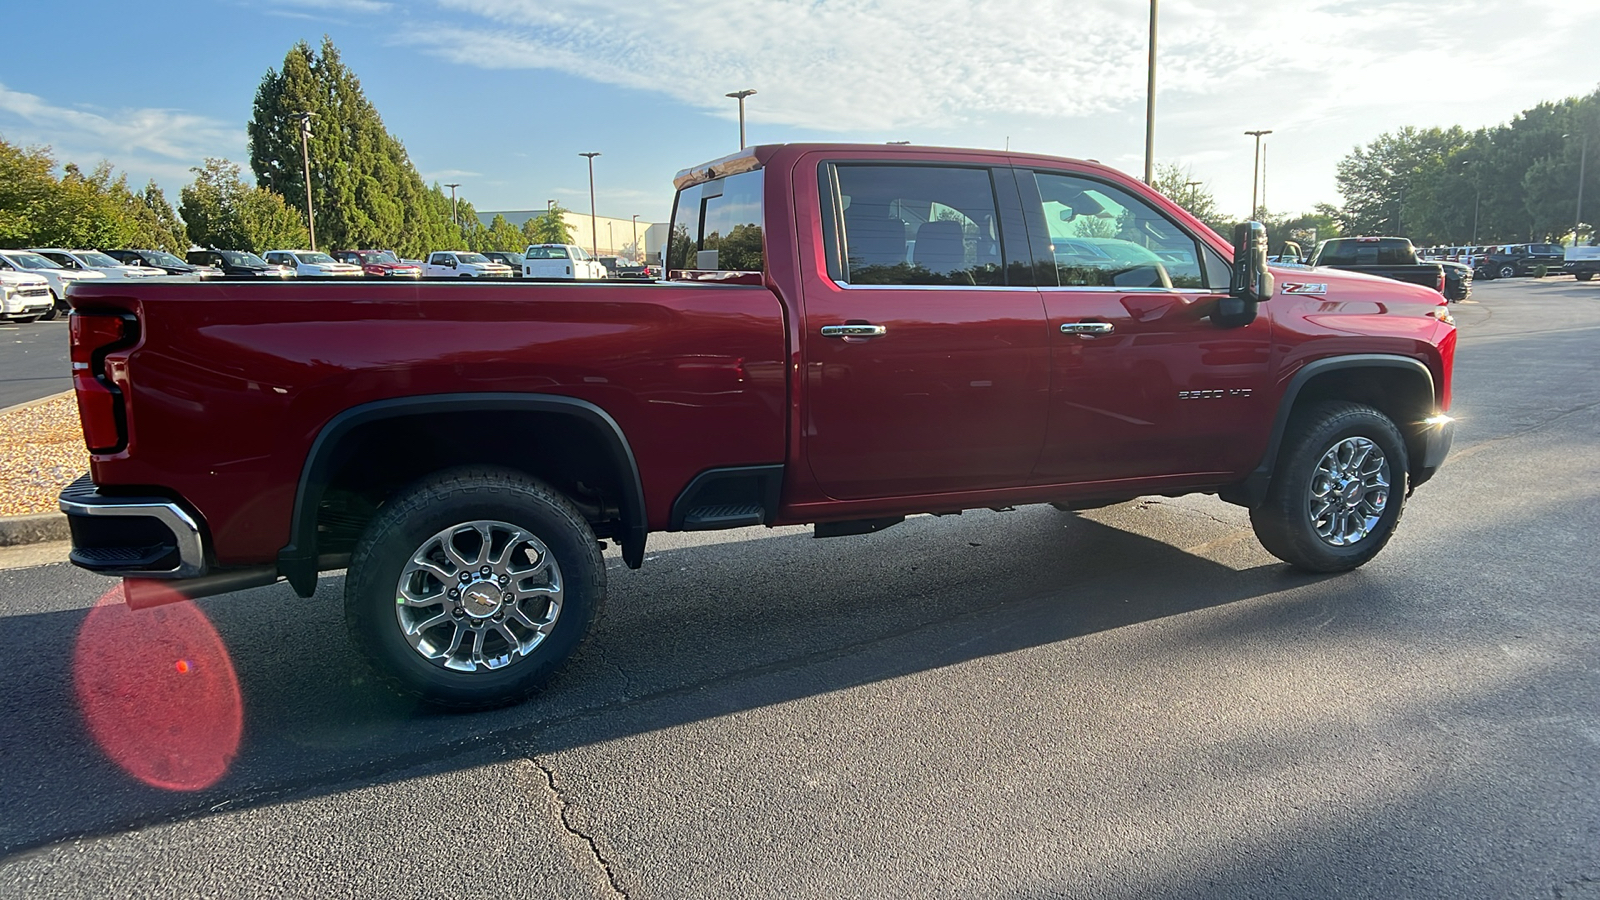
{"points": [[846, 335]]}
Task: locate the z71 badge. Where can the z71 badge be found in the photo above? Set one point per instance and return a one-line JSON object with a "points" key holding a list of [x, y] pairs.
{"points": [[1298, 288]]}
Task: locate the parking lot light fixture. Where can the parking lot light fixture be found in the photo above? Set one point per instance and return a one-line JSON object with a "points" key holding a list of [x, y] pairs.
{"points": [[305, 157], [452, 185], [739, 96], [594, 228], [1255, 177]]}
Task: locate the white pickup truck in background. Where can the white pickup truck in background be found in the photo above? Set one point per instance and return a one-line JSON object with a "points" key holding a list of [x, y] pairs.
{"points": [[463, 264], [561, 261]]}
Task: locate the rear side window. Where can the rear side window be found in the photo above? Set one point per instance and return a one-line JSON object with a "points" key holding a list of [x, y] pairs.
{"points": [[917, 225], [716, 226]]}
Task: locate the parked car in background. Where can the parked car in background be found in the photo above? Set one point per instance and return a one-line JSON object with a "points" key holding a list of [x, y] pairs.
{"points": [[463, 264], [24, 297], [95, 261], [1386, 257], [162, 261], [566, 261], [312, 264], [1457, 280], [1582, 262], [238, 264], [507, 258], [55, 275], [1521, 260], [379, 263]]}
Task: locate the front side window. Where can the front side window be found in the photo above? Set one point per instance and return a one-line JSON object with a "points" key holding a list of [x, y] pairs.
{"points": [[1103, 236], [917, 225], [716, 226]]}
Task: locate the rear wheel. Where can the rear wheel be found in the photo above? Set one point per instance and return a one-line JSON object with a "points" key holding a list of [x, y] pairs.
{"points": [[473, 588], [1338, 491], [1507, 272], [1583, 276]]}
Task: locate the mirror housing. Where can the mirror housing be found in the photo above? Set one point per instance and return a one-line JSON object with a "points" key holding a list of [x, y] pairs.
{"points": [[1251, 282]]}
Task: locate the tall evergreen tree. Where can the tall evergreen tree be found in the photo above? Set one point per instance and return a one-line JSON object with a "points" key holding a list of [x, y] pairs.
{"points": [[365, 191]]}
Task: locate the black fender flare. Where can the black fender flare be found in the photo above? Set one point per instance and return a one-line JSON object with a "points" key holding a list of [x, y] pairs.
{"points": [[297, 561], [1253, 489]]}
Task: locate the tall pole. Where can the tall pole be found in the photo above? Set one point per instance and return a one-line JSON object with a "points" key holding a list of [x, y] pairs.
{"points": [[594, 229], [453, 217], [1255, 175], [305, 157], [637, 254], [1194, 195], [1150, 106], [739, 96], [1583, 158]]}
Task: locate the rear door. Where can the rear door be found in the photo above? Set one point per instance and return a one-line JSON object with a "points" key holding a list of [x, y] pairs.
{"points": [[926, 370], [1143, 384]]}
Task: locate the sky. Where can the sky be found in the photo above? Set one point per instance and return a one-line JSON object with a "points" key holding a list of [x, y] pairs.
{"points": [[502, 95]]}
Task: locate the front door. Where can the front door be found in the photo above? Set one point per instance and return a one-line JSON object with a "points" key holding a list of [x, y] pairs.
{"points": [[1143, 383], [924, 372]]}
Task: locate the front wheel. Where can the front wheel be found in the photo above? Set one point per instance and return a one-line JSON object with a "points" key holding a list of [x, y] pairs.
{"points": [[1507, 272], [1583, 276], [472, 588], [1338, 491]]}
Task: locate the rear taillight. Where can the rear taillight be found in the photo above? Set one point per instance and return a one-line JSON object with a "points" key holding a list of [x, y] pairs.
{"points": [[99, 402]]}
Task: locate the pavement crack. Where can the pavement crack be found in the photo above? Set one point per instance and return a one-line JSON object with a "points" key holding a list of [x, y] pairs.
{"points": [[564, 807], [627, 680]]}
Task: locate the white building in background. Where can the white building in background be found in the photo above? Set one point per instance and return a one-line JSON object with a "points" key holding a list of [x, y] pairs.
{"points": [[613, 237]]}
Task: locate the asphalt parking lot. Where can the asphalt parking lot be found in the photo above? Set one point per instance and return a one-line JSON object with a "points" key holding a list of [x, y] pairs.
{"points": [[34, 361], [1128, 702]]}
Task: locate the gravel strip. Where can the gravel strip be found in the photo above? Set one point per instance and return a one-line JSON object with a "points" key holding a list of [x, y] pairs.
{"points": [[41, 452]]}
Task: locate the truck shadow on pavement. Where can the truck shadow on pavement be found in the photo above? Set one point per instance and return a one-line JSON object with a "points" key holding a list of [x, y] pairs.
{"points": [[700, 632]]}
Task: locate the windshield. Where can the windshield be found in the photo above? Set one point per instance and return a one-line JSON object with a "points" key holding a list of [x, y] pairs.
{"points": [[314, 258], [472, 257], [162, 258], [241, 258], [32, 261], [513, 259], [375, 257], [98, 260]]}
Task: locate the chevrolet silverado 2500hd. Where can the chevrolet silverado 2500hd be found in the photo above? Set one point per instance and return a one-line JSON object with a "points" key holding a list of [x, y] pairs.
{"points": [[846, 335]]}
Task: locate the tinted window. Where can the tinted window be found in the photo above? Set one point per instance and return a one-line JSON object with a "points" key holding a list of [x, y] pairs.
{"points": [[556, 252], [918, 225], [1102, 236], [1367, 252], [717, 226]]}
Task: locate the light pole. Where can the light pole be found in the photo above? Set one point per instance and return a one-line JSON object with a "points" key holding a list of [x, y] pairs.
{"points": [[594, 229], [1583, 159], [739, 96], [549, 205], [453, 217], [1255, 174], [1150, 105], [1194, 195], [637, 255], [305, 156], [1477, 197]]}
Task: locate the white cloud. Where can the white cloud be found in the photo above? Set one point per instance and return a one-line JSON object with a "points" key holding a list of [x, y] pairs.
{"points": [[1062, 76], [166, 133]]}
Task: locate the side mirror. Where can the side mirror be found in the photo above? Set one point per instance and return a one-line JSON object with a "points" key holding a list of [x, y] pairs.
{"points": [[1251, 282], [1067, 215]]}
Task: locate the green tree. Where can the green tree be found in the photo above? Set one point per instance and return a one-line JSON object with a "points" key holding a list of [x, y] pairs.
{"points": [[221, 211], [1396, 174], [26, 185], [502, 235], [550, 228], [1180, 186], [365, 190]]}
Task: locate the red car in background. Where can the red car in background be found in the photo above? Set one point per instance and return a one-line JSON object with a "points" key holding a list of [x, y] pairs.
{"points": [[379, 263]]}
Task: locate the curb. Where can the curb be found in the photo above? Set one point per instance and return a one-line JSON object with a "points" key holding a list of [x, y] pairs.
{"points": [[39, 402], [35, 529]]}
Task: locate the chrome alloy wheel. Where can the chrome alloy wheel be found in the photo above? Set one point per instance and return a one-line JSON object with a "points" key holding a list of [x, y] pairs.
{"points": [[478, 596], [1349, 491]]}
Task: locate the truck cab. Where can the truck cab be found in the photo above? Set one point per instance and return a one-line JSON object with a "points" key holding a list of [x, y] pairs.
{"points": [[463, 264], [561, 262]]}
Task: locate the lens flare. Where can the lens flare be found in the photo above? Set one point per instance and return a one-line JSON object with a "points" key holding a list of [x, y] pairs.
{"points": [[158, 692]]}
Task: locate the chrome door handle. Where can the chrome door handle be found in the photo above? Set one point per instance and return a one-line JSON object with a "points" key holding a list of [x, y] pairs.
{"points": [[854, 331], [1088, 328]]}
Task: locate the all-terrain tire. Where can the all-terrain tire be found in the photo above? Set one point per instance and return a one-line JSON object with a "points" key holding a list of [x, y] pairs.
{"points": [[510, 536], [1338, 489]]}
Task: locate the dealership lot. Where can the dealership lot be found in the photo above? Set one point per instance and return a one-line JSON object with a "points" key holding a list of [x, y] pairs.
{"points": [[1131, 701]]}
